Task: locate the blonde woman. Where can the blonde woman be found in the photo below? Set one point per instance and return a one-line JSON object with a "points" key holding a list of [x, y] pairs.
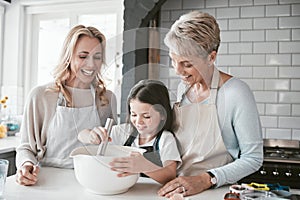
{"points": [[56, 112], [219, 130]]}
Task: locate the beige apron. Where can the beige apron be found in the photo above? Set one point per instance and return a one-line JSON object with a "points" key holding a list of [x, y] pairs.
{"points": [[63, 131], [200, 141]]}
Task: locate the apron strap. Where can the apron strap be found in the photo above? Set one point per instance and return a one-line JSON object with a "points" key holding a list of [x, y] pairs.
{"points": [[214, 86], [134, 134], [131, 138]]}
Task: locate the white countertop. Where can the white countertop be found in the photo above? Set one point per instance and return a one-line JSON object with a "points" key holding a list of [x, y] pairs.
{"points": [[9, 143], [55, 183]]}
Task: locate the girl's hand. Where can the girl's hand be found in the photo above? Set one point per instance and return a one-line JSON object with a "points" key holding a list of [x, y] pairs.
{"points": [[27, 174], [135, 163]]}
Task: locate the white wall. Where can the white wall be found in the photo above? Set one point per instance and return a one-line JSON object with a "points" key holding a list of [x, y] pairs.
{"points": [[260, 45], [12, 76]]}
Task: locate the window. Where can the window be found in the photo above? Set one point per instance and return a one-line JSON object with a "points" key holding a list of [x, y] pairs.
{"points": [[50, 25], [1, 43]]}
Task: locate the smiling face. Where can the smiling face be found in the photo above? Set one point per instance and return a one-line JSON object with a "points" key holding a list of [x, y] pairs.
{"points": [[194, 69], [145, 119], [86, 62], [186, 69]]}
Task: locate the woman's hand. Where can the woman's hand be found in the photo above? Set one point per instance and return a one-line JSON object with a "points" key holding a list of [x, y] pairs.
{"points": [[27, 174], [186, 185], [93, 136]]}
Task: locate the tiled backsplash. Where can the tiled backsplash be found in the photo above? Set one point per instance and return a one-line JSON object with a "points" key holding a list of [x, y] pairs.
{"points": [[260, 45]]}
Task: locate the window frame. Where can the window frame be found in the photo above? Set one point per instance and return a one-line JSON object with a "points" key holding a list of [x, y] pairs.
{"points": [[2, 11], [34, 13]]}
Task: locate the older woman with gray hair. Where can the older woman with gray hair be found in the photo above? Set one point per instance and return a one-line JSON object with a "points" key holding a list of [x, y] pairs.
{"points": [[218, 125]]}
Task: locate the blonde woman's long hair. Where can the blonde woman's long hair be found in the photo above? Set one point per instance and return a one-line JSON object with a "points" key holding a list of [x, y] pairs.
{"points": [[62, 72]]}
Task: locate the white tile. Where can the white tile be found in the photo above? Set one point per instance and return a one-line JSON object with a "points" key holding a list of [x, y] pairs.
{"points": [[253, 60], [278, 109], [296, 34], [289, 72], [230, 36], [265, 47], [223, 69], [241, 72], [216, 3], [278, 35], [192, 4], [289, 47], [278, 59], [175, 14], [223, 48], [268, 121], [289, 122], [265, 96], [265, 23], [242, 48], [230, 60], [223, 24], [165, 16], [295, 84], [240, 3], [289, 22], [277, 84], [250, 36], [171, 5], [278, 10], [296, 9], [296, 134], [296, 59], [240, 24], [288, 1], [261, 108], [226, 13], [265, 72], [255, 84], [289, 97], [252, 11], [265, 2], [275, 133], [296, 109], [211, 11]]}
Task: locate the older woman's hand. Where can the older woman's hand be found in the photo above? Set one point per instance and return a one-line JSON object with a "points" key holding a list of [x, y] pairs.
{"points": [[186, 185], [27, 174]]}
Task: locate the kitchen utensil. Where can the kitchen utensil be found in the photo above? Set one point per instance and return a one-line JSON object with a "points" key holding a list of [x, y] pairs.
{"points": [[103, 145]]}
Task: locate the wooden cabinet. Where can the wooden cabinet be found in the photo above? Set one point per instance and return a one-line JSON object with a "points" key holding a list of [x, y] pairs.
{"points": [[11, 157]]}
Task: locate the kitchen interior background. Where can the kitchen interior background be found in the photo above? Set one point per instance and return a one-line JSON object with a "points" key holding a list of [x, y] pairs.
{"points": [[260, 45]]}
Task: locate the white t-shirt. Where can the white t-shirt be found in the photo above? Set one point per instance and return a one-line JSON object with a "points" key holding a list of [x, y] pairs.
{"points": [[167, 144]]}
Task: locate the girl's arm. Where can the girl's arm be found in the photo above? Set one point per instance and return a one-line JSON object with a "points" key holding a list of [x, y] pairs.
{"points": [[164, 174], [137, 163]]}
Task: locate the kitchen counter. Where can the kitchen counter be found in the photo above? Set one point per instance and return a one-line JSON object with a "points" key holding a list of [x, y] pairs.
{"points": [[56, 183], [9, 143]]}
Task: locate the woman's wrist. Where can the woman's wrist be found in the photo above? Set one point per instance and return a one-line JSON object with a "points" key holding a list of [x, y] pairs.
{"points": [[212, 179]]}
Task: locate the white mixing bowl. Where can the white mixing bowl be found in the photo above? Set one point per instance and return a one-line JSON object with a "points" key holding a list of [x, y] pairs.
{"points": [[93, 172]]}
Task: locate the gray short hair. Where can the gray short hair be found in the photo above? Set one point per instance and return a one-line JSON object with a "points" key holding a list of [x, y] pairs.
{"points": [[194, 33]]}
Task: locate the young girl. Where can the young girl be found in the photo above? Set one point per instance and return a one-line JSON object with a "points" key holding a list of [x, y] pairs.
{"points": [[148, 126]]}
